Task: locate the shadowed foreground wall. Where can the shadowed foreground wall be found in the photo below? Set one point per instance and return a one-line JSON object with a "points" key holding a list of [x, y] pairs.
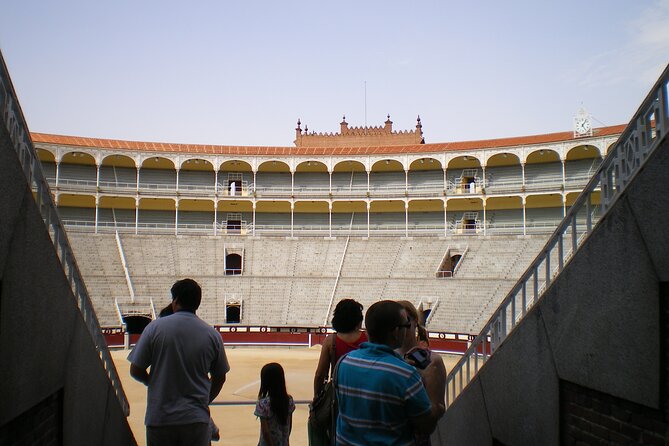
{"points": [[586, 364], [53, 388]]}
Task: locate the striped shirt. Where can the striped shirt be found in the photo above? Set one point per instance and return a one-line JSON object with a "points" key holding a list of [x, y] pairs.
{"points": [[377, 393]]}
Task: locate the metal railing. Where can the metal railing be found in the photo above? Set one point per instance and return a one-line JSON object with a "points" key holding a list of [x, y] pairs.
{"points": [[639, 139], [14, 121]]}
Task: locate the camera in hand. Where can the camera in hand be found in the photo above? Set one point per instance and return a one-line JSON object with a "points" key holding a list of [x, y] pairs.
{"points": [[420, 357]]}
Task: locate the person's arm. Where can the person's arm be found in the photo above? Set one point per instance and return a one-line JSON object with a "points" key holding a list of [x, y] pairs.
{"points": [[217, 382], [264, 431], [323, 368], [434, 379], [139, 374]]}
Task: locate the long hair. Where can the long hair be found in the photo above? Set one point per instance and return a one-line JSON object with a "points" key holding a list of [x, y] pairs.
{"points": [[416, 315], [273, 385]]}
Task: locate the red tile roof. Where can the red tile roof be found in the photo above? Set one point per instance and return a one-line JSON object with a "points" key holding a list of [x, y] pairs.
{"points": [[320, 151]]}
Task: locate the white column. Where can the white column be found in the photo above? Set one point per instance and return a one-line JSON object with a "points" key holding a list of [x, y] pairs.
{"points": [[445, 219], [485, 223], [137, 186], [483, 180], [406, 219], [445, 182], [522, 170], [564, 175], [368, 206], [255, 185], [524, 215], [292, 212], [368, 182], [564, 204], [253, 231], [330, 173], [57, 172], [177, 186], [97, 177], [215, 217], [136, 215], [97, 211], [330, 210], [292, 191], [216, 183], [406, 180], [176, 216]]}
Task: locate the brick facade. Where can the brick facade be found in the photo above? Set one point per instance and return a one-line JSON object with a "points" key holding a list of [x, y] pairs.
{"points": [[41, 424], [359, 136], [589, 417]]}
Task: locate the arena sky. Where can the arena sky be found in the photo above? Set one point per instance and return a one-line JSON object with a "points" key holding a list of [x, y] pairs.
{"points": [[242, 73]]}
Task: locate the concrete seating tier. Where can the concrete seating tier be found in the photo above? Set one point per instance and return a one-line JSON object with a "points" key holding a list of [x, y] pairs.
{"points": [[292, 281]]}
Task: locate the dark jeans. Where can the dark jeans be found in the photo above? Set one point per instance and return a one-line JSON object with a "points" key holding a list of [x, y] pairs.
{"points": [[195, 434]]}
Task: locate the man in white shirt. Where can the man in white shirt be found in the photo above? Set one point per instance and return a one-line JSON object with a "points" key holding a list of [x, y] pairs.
{"points": [[188, 368]]}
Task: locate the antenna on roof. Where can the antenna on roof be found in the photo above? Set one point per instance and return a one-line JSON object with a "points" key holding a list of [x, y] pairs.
{"points": [[365, 106]]}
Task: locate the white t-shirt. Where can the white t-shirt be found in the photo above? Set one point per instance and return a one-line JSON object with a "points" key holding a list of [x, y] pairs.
{"points": [[181, 350]]}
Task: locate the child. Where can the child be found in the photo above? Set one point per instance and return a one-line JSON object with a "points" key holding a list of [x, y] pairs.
{"points": [[274, 407]]}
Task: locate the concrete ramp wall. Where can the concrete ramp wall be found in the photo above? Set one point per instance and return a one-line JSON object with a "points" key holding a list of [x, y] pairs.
{"points": [[53, 387], [585, 364]]}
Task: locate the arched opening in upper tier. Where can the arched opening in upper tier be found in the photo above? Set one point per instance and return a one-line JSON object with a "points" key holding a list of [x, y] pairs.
{"points": [[234, 216], [464, 175], [196, 175], [581, 163], [311, 216], [157, 174], [465, 215], [116, 213], [425, 215], [504, 173], [543, 170], [77, 169], [543, 211], [504, 215], [311, 178], [273, 177], [156, 214], [426, 175], [48, 161], [234, 178], [118, 171]]}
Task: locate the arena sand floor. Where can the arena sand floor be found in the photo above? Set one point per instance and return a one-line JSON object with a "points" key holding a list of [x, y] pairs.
{"points": [[237, 423]]}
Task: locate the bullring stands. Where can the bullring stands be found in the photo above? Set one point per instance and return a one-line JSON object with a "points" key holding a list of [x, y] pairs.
{"points": [[286, 282]]}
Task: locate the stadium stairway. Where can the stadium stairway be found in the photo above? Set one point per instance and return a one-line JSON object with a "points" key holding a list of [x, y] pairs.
{"points": [[587, 363], [58, 384]]}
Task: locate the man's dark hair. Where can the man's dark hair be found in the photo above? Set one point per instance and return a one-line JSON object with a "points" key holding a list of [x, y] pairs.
{"points": [[347, 316], [188, 293], [381, 319]]}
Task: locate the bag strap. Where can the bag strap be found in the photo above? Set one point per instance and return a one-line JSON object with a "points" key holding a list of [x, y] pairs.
{"points": [[333, 352]]}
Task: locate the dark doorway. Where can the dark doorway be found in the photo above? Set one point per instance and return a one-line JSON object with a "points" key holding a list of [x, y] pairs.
{"points": [[233, 265], [448, 267], [136, 324], [232, 313]]}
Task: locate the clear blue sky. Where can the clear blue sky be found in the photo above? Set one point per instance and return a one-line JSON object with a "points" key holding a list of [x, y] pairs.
{"points": [[242, 72]]}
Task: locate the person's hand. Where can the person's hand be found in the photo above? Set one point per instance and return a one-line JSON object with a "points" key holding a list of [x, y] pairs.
{"points": [[434, 379]]}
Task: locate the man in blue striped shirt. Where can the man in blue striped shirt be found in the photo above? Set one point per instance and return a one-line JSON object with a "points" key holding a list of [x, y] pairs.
{"points": [[382, 399]]}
